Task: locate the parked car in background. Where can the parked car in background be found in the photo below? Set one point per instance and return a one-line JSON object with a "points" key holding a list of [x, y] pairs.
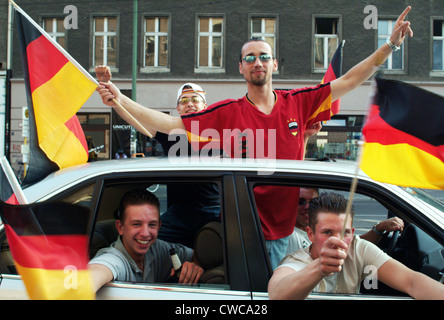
{"points": [[232, 250]]}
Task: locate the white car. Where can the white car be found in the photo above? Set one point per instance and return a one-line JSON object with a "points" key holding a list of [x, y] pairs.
{"points": [[232, 250]]}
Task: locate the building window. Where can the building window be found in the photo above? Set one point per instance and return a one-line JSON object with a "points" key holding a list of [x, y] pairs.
{"points": [[326, 38], [105, 41], [210, 42], [265, 29], [156, 42], [395, 60], [54, 27], [438, 45]]}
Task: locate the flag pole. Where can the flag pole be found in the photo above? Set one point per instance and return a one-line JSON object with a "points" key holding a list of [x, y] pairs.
{"points": [[73, 61], [13, 181], [361, 144], [137, 124], [352, 188]]}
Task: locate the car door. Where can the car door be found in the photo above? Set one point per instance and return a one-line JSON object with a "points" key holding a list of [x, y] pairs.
{"points": [[238, 280], [422, 240]]}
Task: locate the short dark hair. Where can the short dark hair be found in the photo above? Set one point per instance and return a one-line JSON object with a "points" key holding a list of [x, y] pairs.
{"points": [[136, 197], [254, 39], [327, 202]]}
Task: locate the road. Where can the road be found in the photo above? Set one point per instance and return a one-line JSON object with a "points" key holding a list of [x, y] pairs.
{"points": [[369, 212]]}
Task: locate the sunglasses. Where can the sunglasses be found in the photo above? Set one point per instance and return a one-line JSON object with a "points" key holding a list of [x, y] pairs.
{"points": [[303, 201], [193, 100], [262, 58]]}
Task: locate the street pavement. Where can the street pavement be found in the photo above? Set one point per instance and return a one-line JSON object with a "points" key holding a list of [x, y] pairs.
{"points": [[368, 212]]}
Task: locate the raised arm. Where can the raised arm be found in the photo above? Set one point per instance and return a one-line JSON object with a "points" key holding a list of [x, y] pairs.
{"points": [[150, 119], [365, 69], [127, 113]]}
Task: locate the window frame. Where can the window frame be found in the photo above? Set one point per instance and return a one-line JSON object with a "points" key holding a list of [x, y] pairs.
{"points": [[385, 197], [404, 55], [210, 34], [105, 33], [262, 34], [117, 185], [57, 34], [144, 34], [325, 36], [435, 72]]}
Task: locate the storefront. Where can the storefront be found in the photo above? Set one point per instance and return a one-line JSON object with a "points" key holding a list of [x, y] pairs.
{"points": [[110, 137], [338, 139], [96, 127]]}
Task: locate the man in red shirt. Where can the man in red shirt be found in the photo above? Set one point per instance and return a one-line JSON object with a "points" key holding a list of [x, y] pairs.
{"points": [[278, 119]]}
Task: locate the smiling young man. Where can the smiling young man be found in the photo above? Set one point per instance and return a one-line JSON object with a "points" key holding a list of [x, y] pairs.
{"points": [[265, 123], [335, 265], [137, 255]]}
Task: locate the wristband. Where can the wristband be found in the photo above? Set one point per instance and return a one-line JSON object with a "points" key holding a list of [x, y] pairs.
{"points": [[391, 45], [377, 232]]}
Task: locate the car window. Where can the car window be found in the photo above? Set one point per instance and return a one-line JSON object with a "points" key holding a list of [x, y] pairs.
{"points": [[6, 262], [367, 211], [413, 247], [80, 197], [190, 216]]}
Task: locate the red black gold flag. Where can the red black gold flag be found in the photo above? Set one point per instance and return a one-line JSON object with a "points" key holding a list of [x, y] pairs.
{"points": [[333, 72], [57, 87], [404, 136], [49, 245]]}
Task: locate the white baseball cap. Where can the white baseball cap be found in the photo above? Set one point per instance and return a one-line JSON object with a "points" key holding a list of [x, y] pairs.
{"points": [[191, 87]]}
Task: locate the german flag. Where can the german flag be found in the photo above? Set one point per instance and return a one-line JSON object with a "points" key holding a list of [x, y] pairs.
{"points": [[57, 87], [404, 136], [49, 245], [333, 72]]}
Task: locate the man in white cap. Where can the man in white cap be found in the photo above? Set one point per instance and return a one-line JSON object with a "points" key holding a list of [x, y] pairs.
{"points": [[190, 98]]}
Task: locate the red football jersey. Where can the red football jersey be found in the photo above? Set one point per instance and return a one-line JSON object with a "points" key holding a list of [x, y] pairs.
{"points": [[241, 130]]}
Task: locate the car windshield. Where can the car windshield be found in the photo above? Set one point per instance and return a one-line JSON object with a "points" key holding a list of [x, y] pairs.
{"points": [[426, 197]]}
